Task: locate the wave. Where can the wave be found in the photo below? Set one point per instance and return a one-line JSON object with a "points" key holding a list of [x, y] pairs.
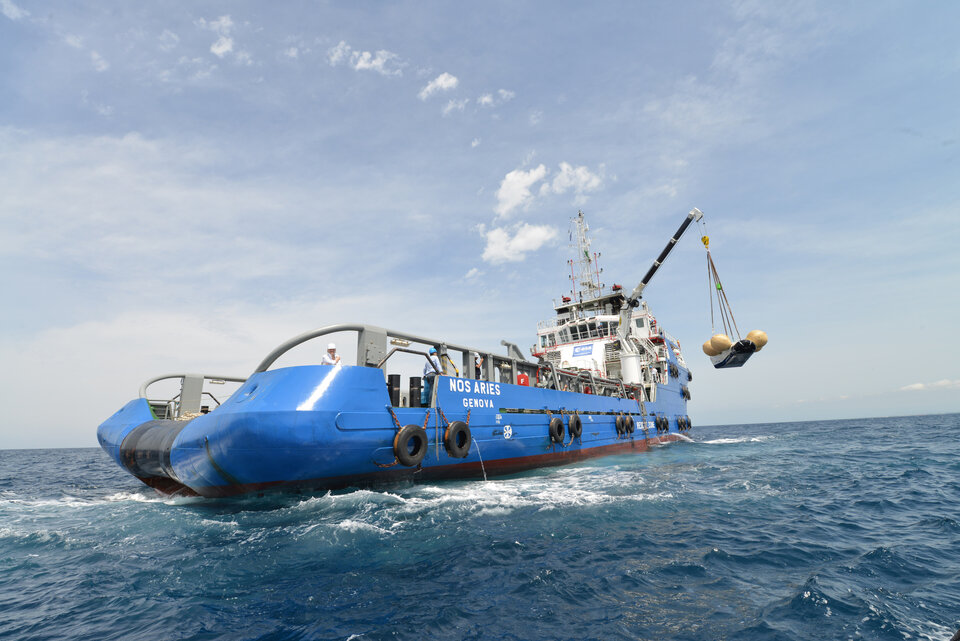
{"points": [[42, 535]]}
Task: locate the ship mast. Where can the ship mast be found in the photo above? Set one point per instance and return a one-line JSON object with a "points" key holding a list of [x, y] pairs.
{"points": [[584, 273]]}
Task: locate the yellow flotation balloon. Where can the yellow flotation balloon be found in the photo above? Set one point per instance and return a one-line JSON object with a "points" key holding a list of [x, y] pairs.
{"points": [[708, 349], [758, 337], [720, 342]]}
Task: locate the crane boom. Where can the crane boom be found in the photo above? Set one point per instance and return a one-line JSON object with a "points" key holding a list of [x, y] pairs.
{"points": [[694, 215], [623, 328]]}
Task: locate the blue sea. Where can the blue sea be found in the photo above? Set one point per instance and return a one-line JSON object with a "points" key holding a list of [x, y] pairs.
{"points": [[819, 530]]}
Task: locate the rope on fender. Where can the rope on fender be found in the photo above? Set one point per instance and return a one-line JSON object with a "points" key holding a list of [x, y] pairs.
{"points": [[550, 414], [446, 424], [399, 427], [395, 419], [436, 431], [426, 419], [443, 416], [570, 442]]}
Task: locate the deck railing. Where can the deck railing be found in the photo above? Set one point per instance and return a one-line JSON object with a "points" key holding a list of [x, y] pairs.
{"points": [[190, 398]]}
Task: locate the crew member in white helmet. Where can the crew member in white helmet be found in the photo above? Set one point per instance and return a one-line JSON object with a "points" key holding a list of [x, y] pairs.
{"points": [[331, 357]]}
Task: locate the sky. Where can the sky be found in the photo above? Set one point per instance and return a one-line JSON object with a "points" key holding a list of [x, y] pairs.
{"points": [[185, 185]]}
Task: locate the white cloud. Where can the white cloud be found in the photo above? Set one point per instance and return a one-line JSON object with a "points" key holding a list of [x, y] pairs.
{"points": [[222, 46], [103, 110], [168, 40], [222, 25], [514, 189], [364, 60], [475, 143], [941, 384], [443, 82], [196, 69], [12, 11], [488, 99], [74, 41], [338, 54], [98, 62], [454, 105], [536, 117], [502, 247], [384, 62], [473, 273], [577, 179], [292, 52]]}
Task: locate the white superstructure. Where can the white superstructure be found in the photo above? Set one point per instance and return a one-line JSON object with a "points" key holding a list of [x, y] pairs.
{"points": [[585, 334]]}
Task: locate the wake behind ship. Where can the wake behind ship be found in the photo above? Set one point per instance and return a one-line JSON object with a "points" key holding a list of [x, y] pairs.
{"points": [[608, 379]]}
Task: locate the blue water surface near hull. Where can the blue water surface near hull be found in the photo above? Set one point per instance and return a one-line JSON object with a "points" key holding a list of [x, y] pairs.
{"points": [[820, 530]]}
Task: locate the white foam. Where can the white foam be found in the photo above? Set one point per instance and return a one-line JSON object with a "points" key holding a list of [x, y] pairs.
{"points": [[582, 487], [930, 631], [357, 526], [135, 496], [226, 524], [740, 439], [73, 502], [394, 510]]}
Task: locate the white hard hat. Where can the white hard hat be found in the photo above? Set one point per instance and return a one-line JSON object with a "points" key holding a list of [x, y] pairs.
{"points": [[331, 346]]}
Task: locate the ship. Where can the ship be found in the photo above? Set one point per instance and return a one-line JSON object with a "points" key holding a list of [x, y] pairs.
{"points": [[605, 378]]}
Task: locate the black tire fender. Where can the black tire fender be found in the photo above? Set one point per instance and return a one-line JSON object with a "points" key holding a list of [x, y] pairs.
{"points": [[662, 424], [410, 445], [457, 439], [629, 424], [575, 425], [556, 429], [619, 425]]}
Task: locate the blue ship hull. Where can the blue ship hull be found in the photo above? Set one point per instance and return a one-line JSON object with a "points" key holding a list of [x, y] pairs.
{"points": [[316, 427]]}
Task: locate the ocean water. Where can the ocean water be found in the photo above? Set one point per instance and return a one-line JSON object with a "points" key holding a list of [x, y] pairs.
{"points": [[820, 530]]}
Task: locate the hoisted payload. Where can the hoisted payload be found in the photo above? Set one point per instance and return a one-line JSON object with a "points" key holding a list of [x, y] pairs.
{"points": [[721, 349]]}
